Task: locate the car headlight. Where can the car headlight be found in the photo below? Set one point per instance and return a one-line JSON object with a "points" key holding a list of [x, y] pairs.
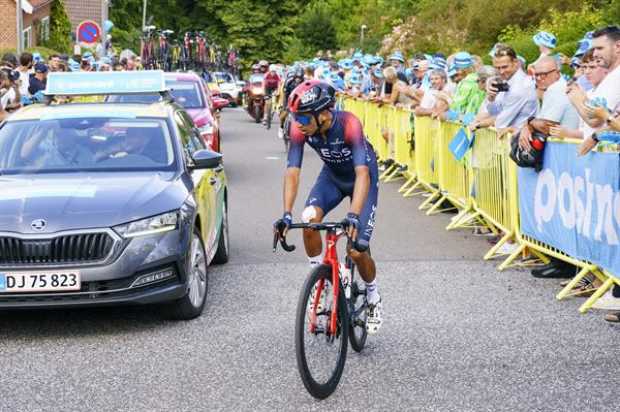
{"points": [[207, 128], [156, 224]]}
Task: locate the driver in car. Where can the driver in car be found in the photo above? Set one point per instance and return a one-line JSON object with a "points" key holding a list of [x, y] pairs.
{"points": [[135, 142]]}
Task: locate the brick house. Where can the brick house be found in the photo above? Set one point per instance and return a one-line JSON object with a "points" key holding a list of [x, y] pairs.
{"points": [[36, 18], [80, 10]]}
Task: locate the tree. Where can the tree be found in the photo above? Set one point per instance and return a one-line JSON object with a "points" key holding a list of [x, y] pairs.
{"points": [[316, 29], [60, 28]]}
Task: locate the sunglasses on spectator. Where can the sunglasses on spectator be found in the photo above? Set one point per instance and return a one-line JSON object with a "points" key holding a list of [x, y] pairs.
{"points": [[303, 119], [544, 74]]}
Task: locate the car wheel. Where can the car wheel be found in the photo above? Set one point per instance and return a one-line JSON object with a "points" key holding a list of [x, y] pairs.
{"points": [[192, 304], [222, 252]]}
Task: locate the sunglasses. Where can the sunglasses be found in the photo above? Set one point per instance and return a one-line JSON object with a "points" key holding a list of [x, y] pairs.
{"points": [[303, 119]]}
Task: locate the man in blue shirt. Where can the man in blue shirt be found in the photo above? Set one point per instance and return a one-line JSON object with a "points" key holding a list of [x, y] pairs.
{"points": [[513, 107]]}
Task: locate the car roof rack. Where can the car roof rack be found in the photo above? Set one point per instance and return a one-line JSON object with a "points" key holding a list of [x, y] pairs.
{"points": [[106, 83]]}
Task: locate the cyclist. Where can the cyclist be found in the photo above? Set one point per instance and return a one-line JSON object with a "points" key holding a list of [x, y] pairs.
{"points": [[264, 66], [295, 78], [349, 170], [270, 84]]}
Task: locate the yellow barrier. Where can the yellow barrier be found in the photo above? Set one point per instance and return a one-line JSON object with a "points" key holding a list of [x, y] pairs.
{"points": [[483, 185]]}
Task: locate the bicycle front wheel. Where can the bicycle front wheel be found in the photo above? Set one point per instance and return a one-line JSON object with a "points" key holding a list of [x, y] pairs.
{"points": [[321, 353]]}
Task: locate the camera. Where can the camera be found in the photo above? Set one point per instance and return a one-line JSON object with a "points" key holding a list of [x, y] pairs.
{"points": [[501, 85], [13, 75]]}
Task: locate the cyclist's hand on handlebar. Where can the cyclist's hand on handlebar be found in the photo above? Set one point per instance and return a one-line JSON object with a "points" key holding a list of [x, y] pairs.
{"points": [[351, 223], [281, 225]]}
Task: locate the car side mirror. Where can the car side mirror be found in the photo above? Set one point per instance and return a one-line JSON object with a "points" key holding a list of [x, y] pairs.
{"points": [[206, 159]]}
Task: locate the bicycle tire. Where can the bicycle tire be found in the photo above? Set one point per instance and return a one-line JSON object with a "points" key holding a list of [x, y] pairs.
{"points": [[316, 389], [357, 340]]}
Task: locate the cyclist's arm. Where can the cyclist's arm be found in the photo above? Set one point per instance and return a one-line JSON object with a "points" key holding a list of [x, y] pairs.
{"points": [[360, 189], [293, 169]]}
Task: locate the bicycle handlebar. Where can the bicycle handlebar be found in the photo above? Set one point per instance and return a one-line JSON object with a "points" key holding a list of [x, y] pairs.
{"points": [[277, 236]]}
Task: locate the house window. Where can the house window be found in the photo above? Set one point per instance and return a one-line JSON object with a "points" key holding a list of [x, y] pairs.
{"points": [[45, 28], [27, 37]]}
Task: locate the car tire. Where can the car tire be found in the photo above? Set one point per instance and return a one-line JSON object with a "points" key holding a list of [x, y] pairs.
{"points": [[192, 304], [223, 245]]}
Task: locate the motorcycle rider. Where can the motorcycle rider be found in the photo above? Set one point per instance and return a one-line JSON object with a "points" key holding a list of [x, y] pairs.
{"points": [[293, 79], [254, 78]]}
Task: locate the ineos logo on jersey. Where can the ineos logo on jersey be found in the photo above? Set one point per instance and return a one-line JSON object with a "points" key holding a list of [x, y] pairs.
{"points": [[334, 155]]}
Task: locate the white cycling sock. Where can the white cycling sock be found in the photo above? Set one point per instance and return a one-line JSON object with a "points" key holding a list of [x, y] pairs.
{"points": [[372, 292], [315, 260]]}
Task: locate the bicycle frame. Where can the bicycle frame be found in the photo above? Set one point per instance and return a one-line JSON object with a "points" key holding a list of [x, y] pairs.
{"points": [[334, 231]]}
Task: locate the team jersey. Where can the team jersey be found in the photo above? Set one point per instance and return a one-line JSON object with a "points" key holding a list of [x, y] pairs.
{"points": [[344, 148], [272, 81]]}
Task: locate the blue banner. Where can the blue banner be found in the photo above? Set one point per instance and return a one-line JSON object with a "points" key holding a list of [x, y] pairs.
{"points": [[573, 204]]}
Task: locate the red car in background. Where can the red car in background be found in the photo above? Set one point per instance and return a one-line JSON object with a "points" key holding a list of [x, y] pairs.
{"points": [[192, 93]]}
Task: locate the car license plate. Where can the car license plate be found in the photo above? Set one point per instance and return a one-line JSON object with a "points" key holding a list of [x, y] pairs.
{"points": [[39, 281]]}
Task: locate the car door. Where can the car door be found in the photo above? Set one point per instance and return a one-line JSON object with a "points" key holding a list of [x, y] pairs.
{"points": [[204, 190]]}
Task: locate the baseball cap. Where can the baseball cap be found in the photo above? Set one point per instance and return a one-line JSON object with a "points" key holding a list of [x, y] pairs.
{"points": [[40, 68]]}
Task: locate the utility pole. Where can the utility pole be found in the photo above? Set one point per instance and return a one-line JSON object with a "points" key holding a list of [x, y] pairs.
{"points": [[144, 15], [20, 26], [362, 27]]}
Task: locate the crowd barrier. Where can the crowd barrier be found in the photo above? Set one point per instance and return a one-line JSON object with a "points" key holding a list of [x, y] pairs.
{"points": [[483, 187]]}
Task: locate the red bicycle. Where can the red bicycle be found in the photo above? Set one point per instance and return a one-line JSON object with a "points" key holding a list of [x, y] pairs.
{"points": [[331, 312]]}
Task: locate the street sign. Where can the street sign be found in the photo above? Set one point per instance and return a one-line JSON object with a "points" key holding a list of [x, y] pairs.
{"points": [[88, 32]]}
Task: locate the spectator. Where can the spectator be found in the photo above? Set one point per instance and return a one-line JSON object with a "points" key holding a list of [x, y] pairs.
{"points": [[556, 109], [513, 107], [430, 103], [9, 60], [9, 91], [24, 69], [483, 118], [606, 48], [594, 74], [53, 62], [393, 88], [467, 97], [39, 80]]}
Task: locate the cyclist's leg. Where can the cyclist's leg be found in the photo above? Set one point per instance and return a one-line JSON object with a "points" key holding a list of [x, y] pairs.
{"points": [[323, 197], [359, 252]]}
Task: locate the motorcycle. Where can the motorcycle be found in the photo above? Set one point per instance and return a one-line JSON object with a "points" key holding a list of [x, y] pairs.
{"points": [[256, 98]]}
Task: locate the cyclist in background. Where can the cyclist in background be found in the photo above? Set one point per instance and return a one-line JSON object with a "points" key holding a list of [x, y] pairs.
{"points": [[294, 78], [349, 170], [270, 84]]}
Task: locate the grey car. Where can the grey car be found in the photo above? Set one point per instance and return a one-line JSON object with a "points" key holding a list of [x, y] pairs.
{"points": [[109, 204]]}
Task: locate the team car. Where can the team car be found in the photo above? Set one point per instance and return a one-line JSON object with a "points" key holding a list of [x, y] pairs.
{"points": [[109, 203]]}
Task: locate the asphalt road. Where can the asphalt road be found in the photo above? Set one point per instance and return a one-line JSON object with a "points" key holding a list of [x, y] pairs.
{"points": [[458, 335]]}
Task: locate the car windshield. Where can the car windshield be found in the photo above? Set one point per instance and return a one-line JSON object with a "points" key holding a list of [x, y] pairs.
{"points": [[186, 94], [223, 77], [85, 144]]}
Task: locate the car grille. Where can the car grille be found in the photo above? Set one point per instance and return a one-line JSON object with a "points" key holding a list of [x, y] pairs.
{"points": [[73, 248]]}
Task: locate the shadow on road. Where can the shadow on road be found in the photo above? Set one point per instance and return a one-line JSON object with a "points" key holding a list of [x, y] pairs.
{"points": [[80, 322]]}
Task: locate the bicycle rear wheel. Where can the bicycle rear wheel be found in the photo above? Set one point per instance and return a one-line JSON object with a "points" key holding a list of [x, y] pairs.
{"points": [[320, 355], [357, 311]]}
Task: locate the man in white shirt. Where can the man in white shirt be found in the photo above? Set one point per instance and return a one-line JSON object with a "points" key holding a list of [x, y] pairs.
{"points": [[606, 46], [24, 69], [556, 109]]}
